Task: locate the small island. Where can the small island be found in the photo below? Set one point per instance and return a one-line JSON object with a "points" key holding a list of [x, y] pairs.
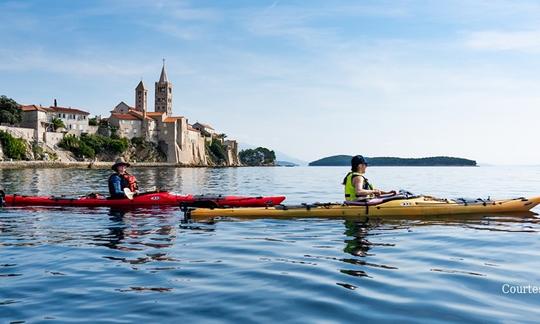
{"points": [[345, 160]]}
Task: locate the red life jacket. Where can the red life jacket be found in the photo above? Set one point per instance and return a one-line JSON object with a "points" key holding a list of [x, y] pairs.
{"points": [[130, 181]]}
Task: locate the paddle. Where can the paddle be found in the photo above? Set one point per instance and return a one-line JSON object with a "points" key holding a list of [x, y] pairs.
{"points": [[130, 194]]}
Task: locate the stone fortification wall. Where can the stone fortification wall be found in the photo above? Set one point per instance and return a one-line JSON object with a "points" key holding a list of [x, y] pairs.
{"points": [[232, 153], [167, 141], [194, 149]]}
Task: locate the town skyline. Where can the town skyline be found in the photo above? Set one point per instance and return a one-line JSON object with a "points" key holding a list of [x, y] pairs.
{"points": [[453, 78]]}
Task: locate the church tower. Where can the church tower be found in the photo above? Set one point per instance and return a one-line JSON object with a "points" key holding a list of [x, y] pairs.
{"points": [[141, 95], [163, 97]]}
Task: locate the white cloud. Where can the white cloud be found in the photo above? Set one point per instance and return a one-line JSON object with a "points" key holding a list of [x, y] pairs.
{"points": [[300, 23], [76, 65], [525, 41]]}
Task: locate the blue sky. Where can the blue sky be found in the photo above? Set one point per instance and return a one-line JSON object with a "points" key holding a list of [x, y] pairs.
{"points": [[309, 78]]}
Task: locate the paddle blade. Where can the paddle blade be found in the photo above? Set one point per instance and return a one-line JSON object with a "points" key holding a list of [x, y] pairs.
{"points": [[129, 194]]}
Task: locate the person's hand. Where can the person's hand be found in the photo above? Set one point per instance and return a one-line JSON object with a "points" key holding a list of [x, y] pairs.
{"points": [[376, 192]]}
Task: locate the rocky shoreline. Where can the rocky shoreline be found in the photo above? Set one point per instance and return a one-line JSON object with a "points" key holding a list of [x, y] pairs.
{"points": [[87, 165]]}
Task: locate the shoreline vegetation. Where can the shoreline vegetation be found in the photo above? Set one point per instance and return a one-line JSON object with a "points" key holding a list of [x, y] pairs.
{"points": [[345, 160]]}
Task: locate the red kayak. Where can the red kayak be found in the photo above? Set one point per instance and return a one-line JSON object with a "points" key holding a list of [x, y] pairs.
{"points": [[148, 199]]}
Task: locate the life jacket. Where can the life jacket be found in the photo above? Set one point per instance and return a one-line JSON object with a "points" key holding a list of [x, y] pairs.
{"points": [[126, 181], [350, 190], [129, 181]]}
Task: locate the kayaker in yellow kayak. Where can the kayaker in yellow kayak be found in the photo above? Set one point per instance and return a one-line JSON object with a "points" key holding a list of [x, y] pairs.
{"points": [[120, 180], [357, 186]]}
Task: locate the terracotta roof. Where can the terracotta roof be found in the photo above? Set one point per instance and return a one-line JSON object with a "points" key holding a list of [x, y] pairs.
{"points": [[124, 116], [31, 108], [155, 113], [171, 119], [69, 110], [189, 127], [138, 114]]}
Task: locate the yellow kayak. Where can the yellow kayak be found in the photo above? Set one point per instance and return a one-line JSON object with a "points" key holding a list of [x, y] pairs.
{"points": [[402, 207]]}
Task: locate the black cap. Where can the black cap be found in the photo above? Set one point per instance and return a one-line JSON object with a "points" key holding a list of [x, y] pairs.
{"points": [[357, 160]]}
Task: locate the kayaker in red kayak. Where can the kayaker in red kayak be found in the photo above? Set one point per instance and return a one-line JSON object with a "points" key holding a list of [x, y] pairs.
{"points": [[120, 180], [357, 185]]}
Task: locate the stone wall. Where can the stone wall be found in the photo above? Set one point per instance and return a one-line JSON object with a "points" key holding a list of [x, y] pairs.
{"points": [[195, 148], [20, 132], [53, 139], [232, 153], [167, 140], [92, 129], [127, 128]]}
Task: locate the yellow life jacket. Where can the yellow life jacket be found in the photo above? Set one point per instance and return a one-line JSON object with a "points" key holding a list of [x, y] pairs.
{"points": [[350, 190]]}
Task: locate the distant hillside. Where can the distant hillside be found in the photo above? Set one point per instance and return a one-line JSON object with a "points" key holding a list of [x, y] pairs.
{"points": [[345, 160], [285, 163]]}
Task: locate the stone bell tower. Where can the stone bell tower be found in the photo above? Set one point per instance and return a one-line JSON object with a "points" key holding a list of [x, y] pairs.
{"points": [[163, 97], [141, 96]]}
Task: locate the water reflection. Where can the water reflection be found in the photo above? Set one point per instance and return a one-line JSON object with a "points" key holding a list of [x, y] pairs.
{"points": [[359, 244], [233, 181], [116, 235], [137, 230]]}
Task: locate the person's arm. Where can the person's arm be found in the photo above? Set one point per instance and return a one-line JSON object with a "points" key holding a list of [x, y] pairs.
{"points": [[358, 183], [117, 185]]}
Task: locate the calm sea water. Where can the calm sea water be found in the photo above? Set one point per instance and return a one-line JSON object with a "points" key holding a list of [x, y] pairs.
{"points": [[65, 264]]}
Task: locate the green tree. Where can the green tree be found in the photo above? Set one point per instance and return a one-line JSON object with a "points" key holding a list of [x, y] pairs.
{"points": [[93, 121], [118, 145], [10, 111], [218, 151], [57, 123], [251, 157], [90, 145], [258, 156], [14, 148]]}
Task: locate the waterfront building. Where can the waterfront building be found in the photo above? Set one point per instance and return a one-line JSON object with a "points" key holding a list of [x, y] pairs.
{"points": [[75, 120], [181, 142], [206, 130]]}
